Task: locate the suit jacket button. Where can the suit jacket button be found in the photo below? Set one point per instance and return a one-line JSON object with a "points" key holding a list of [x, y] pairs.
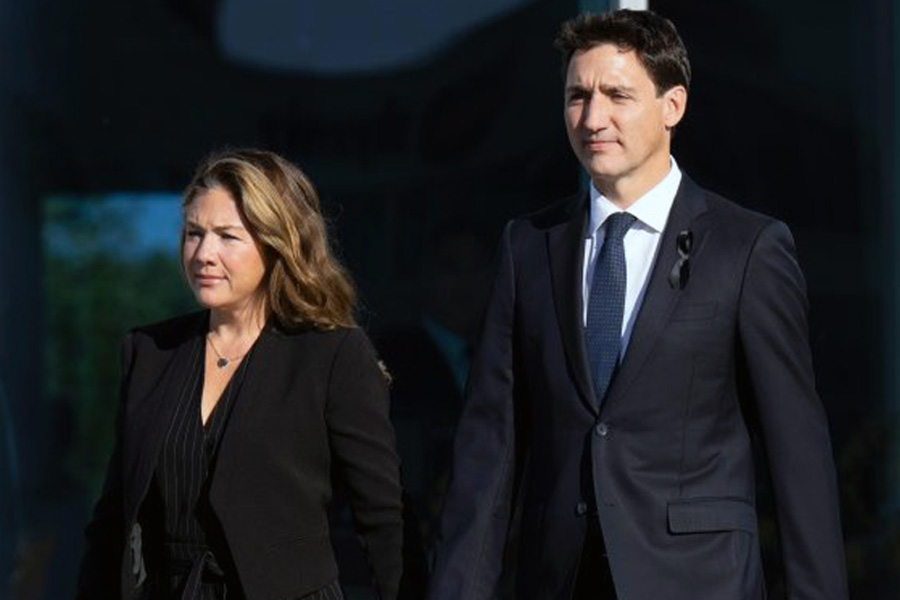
{"points": [[601, 429], [581, 509]]}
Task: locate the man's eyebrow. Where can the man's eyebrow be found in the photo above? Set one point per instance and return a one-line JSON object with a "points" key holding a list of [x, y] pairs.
{"points": [[611, 89], [576, 87], [606, 89]]}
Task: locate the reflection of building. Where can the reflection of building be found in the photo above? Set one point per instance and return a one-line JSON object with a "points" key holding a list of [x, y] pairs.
{"points": [[429, 358], [798, 122], [51, 532], [426, 402], [313, 36], [20, 325], [9, 493], [88, 108]]}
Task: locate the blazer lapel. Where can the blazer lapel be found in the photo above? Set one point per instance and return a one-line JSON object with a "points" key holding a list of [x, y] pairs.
{"points": [[150, 420], [565, 245], [660, 297], [241, 419]]}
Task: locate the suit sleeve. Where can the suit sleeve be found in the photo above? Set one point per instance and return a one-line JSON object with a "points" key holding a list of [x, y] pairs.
{"points": [[362, 442], [101, 564], [773, 329], [477, 511]]}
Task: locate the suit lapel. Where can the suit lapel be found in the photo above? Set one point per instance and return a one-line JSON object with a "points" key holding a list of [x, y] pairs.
{"points": [[241, 419], [660, 297], [565, 245], [151, 417]]}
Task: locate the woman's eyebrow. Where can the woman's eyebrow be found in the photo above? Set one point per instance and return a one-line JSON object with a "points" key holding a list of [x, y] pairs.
{"points": [[216, 228]]}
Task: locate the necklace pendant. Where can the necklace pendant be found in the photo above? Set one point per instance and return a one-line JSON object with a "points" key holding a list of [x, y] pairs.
{"points": [[222, 363]]}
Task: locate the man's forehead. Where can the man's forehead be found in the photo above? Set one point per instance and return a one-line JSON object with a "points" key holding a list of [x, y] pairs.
{"points": [[610, 46], [606, 61]]}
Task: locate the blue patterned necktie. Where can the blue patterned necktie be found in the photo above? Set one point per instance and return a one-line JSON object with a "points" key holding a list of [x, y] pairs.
{"points": [[606, 304]]}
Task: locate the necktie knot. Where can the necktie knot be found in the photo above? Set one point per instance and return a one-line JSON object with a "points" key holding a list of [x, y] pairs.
{"points": [[618, 224]]}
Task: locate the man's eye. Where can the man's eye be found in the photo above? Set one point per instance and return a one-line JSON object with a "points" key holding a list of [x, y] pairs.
{"points": [[193, 233]]}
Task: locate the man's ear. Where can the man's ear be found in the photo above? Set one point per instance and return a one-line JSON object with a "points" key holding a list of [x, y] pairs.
{"points": [[674, 104]]}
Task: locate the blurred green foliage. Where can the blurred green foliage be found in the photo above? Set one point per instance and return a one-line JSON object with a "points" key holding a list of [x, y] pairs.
{"points": [[99, 283]]}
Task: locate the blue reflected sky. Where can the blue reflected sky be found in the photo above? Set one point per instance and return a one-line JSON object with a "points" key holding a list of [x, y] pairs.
{"points": [[129, 224], [157, 218]]}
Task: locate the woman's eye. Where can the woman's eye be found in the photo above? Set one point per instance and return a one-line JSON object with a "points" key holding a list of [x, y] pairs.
{"points": [[193, 233]]}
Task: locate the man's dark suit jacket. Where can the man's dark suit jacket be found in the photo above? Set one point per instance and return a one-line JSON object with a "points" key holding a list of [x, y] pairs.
{"points": [[309, 400], [669, 449]]}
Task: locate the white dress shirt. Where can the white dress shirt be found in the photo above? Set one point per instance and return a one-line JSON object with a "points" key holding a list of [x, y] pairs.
{"points": [[641, 242]]}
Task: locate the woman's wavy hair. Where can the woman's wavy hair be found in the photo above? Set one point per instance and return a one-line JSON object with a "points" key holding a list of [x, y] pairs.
{"points": [[306, 285]]}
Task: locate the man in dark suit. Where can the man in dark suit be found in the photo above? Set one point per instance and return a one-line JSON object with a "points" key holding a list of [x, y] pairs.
{"points": [[638, 336]]}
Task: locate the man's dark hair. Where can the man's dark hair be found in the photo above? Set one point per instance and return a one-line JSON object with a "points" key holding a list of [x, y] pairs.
{"points": [[653, 38]]}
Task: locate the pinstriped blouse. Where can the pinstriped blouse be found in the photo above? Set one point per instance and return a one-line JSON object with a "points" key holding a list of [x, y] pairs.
{"points": [[197, 562]]}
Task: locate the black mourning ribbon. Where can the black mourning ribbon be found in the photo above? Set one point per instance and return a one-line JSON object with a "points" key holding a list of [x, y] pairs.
{"points": [[681, 272]]}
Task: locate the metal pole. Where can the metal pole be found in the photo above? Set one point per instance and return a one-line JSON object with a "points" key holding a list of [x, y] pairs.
{"points": [[632, 4], [892, 185], [601, 6]]}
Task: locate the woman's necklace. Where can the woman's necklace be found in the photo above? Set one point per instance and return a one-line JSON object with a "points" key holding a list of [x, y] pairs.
{"points": [[222, 362]]}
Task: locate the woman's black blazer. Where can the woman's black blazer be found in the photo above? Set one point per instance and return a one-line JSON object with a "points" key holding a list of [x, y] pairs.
{"points": [[310, 401]]}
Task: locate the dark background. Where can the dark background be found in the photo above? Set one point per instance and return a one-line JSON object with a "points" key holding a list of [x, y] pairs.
{"points": [[792, 112]]}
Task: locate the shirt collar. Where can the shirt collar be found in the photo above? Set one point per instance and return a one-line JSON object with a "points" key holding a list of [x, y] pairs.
{"points": [[651, 209]]}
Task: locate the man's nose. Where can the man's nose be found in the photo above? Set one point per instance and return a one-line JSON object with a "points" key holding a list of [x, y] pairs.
{"points": [[596, 114]]}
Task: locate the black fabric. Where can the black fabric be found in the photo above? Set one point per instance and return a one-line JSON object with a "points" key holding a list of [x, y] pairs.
{"points": [[313, 405], [191, 565], [594, 581], [671, 460]]}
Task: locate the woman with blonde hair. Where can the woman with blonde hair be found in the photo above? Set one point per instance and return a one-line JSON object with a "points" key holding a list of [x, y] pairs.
{"points": [[233, 418]]}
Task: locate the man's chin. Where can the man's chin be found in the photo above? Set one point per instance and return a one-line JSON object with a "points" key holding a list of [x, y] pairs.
{"points": [[604, 173]]}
